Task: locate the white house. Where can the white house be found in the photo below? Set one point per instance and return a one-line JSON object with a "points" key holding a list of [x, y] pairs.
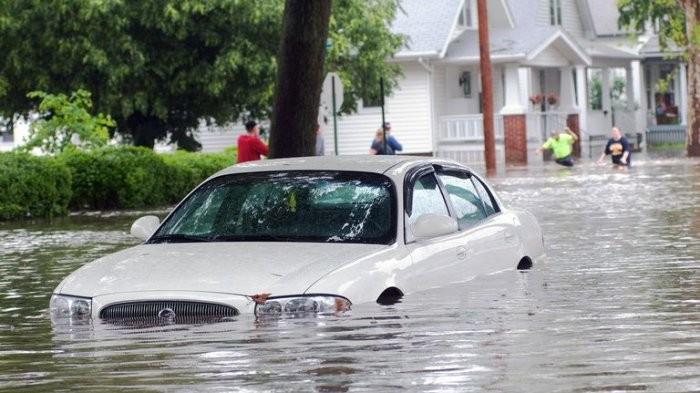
{"points": [[566, 49]]}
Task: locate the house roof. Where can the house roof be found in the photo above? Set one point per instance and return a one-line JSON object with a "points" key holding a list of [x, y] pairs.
{"points": [[652, 48], [603, 17], [602, 50], [427, 26], [522, 42]]}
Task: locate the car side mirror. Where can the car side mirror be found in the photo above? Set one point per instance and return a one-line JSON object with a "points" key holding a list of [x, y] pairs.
{"points": [[433, 225], [144, 227]]}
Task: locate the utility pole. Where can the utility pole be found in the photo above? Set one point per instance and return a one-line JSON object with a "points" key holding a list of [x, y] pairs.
{"points": [[486, 88], [381, 93]]}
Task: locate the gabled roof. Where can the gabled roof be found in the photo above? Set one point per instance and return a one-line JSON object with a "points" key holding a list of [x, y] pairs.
{"points": [[427, 25], [517, 45], [652, 48], [602, 17]]}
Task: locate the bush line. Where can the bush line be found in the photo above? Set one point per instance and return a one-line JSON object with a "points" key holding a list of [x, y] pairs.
{"points": [[105, 178]]}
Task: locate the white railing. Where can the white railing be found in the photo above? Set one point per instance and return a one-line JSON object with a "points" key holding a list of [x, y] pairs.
{"points": [[541, 124], [467, 128]]}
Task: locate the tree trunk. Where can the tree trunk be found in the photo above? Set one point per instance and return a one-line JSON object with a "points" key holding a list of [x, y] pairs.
{"points": [[299, 78], [692, 21]]}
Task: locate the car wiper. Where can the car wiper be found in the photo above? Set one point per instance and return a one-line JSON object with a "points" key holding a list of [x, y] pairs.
{"points": [[178, 238], [248, 238]]}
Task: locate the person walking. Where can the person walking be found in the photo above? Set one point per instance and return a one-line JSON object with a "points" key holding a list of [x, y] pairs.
{"points": [[618, 148], [561, 144], [391, 140], [250, 147], [320, 143], [378, 146]]}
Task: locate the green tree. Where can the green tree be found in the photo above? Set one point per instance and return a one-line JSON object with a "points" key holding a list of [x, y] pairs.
{"points": [[679, 24], [159, 67], [63, 119]]}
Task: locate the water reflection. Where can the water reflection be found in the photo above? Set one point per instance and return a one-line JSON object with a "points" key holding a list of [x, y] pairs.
{"points": [[615, 308]]}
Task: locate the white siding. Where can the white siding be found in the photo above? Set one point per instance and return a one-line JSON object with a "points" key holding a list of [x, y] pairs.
{"points": [[550, 57], [570, 16], [408, 111]]}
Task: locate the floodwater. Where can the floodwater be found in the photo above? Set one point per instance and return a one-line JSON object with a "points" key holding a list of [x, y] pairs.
{"points": [[616, 307]]}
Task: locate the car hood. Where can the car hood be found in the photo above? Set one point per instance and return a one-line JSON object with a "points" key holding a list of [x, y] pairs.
{"points": [[235, 268]]}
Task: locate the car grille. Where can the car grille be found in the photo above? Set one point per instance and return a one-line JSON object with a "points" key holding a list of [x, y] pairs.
{"points": [[166, 310]]}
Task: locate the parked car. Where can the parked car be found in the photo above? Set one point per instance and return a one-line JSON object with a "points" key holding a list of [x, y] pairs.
{"points": [[311, 235]]}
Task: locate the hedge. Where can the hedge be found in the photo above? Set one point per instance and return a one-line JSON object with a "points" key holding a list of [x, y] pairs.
{"points": [[33, 186], [105, 178], [187, 170]]}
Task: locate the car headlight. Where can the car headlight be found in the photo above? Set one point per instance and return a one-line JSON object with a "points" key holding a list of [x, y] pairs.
{"points": [[73, 307], [303, 304]]}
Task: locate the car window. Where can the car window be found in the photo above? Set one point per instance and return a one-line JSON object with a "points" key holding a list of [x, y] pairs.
{"points": [[469, 208], [489, 202], [311, 206], [426, 198]]}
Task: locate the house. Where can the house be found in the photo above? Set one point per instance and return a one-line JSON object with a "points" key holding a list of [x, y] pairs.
{"points": [[11, 139], [556, 63]]}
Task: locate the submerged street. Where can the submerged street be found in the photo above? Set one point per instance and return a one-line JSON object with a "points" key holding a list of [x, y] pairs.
{"points": [[615, 307]]}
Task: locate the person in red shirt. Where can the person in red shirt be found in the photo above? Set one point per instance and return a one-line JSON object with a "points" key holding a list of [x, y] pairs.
{"points": [[250, 147]]}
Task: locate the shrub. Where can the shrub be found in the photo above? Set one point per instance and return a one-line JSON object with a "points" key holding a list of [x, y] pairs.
{"points": [[133, 177], [187, 170], [104, 178], [116, 177], [33, 186]]}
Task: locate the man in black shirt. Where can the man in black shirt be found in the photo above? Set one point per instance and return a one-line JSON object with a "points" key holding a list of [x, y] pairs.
{"points": [[618, 148]]}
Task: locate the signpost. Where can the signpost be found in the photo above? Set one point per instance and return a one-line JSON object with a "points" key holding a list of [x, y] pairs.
{"points": [[381, 93], [331, 101]]}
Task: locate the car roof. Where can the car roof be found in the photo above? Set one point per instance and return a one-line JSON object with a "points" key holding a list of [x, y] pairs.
{"points": [[357, 163]]}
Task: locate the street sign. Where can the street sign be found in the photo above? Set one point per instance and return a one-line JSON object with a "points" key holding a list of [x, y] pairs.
{"points": [[327, 92], [331, 101]]}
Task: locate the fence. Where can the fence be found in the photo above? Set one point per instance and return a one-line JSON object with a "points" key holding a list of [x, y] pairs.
{"points": [[461, 138], [666, 134], [467, 128]]}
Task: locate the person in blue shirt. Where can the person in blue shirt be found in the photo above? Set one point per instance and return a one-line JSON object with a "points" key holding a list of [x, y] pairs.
{"points": [[390, 140], [618, 148], [378, 146]]}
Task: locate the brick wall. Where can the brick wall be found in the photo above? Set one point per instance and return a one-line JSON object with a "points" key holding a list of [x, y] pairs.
{"points": [[515, 139]]}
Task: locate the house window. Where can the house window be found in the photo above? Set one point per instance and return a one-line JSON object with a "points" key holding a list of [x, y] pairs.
{"points": [[555, 12], [371, 99], [6, 134], [466, 17], [573, 75], [595, 89], [465, 82]]}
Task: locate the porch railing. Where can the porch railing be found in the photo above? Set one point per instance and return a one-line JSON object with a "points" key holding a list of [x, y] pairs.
{"points": [[467, 128], [541, 124], [666, 134]]}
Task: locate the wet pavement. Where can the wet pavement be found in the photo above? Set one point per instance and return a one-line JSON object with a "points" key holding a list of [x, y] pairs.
{"points": [[616, 307]]}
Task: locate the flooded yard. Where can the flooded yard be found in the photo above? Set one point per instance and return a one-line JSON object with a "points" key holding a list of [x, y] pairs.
{"points": [[616, 307]]}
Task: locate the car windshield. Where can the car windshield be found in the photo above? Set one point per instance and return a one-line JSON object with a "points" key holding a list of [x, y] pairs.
{"points": [[308, 206]]}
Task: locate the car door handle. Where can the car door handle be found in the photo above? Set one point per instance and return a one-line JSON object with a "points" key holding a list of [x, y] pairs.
{"points": [[508, 235], [461, 253]]}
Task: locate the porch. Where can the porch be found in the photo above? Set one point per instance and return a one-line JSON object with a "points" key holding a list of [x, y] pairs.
{"points": [[461, 137], [535, 99]]}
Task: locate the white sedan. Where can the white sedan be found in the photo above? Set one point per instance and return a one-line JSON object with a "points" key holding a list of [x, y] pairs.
{"points": [[306, 235]]}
